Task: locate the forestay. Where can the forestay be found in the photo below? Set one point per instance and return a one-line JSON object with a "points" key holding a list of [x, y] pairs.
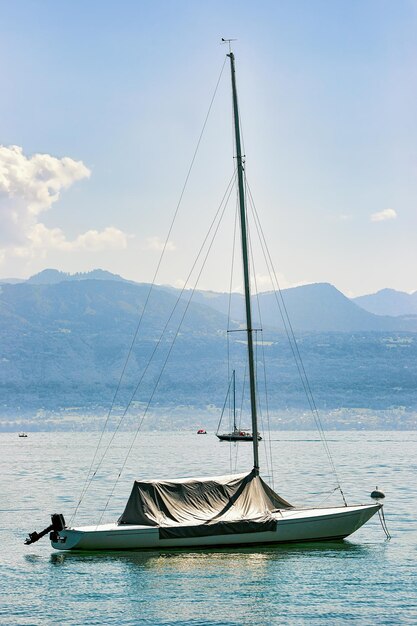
{"points": [[198, 507]]}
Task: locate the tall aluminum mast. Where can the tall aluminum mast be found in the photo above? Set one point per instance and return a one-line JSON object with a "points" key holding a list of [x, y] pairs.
{"points": [[243, 230]]}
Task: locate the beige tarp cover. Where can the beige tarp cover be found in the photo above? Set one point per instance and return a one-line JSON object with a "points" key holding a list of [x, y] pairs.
{"points": [[203, 506]]}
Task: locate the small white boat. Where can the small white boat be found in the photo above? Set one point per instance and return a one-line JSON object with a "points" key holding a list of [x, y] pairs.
{"points": [[237, 510], [300, 526], [221, 511], [22, 435]]}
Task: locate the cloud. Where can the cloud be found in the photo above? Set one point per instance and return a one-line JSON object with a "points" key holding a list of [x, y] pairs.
{"points": [[155, 243], [382, 216], [29, 186], [93, 240]]}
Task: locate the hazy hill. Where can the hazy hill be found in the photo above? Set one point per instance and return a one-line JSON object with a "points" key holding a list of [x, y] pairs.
{"points": [[64, 344], [316, 307], [389, 302], [100, 305]]}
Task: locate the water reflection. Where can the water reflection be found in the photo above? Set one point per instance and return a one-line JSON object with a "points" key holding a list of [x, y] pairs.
{"points": [[242, 586], [251, 557]]}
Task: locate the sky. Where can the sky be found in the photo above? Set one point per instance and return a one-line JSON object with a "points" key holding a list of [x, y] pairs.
{"points": [[103, 103]]}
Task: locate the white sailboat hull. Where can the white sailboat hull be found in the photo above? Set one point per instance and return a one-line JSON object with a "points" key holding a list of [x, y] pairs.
{"points": [[292, 526]]}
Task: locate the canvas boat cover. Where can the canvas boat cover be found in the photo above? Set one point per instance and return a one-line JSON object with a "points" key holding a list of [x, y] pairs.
{"points": [[196, 507]]}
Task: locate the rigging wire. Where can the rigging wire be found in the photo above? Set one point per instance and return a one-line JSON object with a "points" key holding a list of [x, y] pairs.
{"points": [[268, 458], [287, 324], [87, 481], [173, 341], [292, 341], [269, 463], [219, 211]]}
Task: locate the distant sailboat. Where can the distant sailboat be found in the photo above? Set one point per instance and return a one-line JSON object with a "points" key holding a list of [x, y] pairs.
{"points": [[237, 434], [216, 511]]}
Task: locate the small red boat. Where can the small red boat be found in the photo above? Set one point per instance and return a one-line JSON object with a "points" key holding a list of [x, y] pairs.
{"points": [[201, 431]]}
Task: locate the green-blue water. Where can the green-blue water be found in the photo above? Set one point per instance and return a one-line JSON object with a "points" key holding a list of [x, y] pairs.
{"points": [[363, 580]]}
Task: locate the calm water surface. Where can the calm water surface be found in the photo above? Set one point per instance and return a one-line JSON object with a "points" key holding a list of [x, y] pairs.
{"points": [[363, 580]]}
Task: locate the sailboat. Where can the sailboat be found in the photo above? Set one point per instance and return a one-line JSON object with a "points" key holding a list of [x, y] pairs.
{"points": [[237, 434], [226, 510]]}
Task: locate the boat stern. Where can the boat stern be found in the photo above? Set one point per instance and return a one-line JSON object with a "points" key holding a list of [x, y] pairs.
{"points": [[67, 539]]}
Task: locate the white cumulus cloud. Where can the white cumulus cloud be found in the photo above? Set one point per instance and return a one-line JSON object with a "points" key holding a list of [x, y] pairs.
{"points": [[53, 238], [382, 216], [29, 186]]}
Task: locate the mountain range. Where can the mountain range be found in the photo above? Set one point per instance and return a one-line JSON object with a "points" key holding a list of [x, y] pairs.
{"points": [[316, 307], [64, 340]]}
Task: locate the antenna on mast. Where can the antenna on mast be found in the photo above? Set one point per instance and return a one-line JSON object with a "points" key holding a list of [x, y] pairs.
{"points": [[228, 41]]}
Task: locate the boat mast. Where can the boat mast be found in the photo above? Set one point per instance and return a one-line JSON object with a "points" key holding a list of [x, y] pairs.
{"points": [[245, 259], [234, 402]]}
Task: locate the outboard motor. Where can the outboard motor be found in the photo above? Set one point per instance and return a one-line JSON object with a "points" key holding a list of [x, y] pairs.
{"points": [[58, 524]]}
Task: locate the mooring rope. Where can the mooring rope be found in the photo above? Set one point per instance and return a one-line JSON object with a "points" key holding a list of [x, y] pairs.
{"points": [[383, 522]]}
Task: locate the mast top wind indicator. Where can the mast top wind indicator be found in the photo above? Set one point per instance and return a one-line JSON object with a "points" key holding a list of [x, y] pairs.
{"points": [[228, 41]]}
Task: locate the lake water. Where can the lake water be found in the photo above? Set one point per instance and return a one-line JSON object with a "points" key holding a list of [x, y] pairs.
{"points": [[362, 580]]}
